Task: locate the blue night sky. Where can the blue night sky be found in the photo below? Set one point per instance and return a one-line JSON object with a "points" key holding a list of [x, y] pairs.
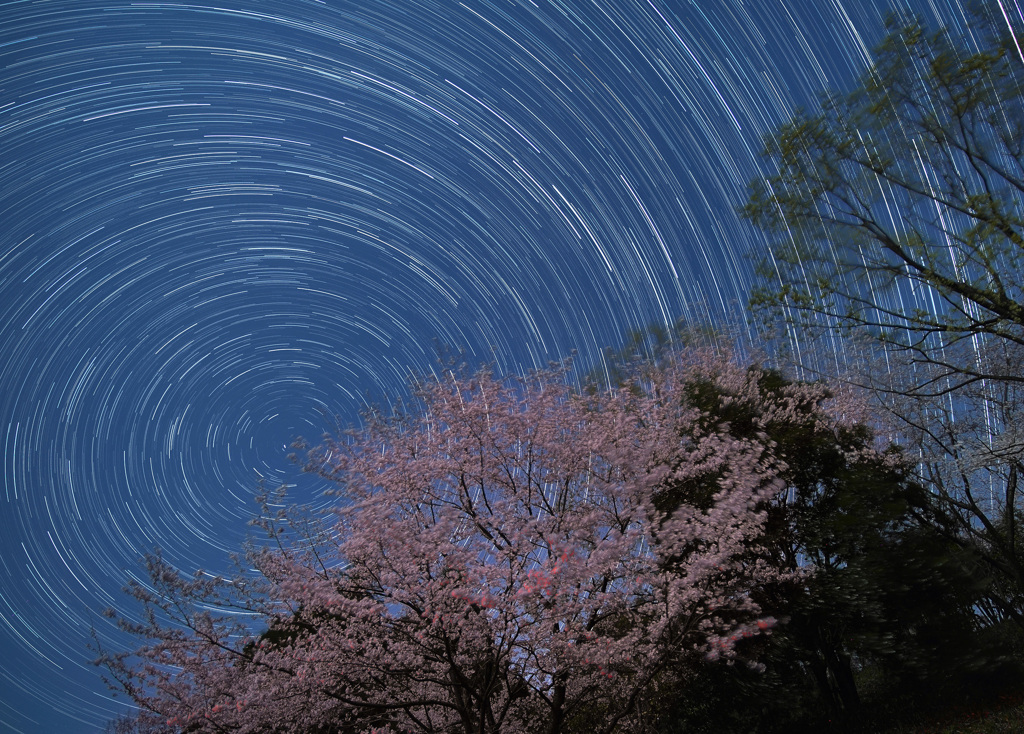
{"points": [[226, 225]]}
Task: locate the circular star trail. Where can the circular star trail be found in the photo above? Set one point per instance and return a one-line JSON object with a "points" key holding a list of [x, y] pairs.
{"points": [[223, 226]]}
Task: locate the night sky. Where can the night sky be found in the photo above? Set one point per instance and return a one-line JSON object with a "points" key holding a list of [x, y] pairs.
{"points": [[223, 226]]}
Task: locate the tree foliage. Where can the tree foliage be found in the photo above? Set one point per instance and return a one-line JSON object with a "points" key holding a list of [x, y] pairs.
{"points": [[513, 555], [898, 206], [898, 210], [888, 620], [508, 555], [971, 457], [848, 510]]}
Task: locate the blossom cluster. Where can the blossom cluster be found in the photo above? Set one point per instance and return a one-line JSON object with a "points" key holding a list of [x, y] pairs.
{"points": [[503, 556]]}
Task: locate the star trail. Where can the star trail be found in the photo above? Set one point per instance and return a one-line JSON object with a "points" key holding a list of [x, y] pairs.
{"points": [[223, 226]]}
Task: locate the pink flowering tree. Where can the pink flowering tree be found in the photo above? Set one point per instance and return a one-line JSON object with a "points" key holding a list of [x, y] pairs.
{"points": [[509, 556]]}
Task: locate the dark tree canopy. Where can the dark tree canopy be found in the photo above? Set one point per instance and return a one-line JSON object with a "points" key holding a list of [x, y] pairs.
{"points": [[848, 512]]}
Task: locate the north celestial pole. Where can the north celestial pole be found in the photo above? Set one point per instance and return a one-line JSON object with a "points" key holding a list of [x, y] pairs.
{"points": [[226, 225]]}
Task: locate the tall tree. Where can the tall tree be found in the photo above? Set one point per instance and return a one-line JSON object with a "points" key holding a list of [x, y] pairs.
{"points": [[898, 207], [507, 555], [897, 210]]}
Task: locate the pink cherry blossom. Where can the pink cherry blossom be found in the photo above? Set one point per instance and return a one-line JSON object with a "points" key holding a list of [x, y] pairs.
{"points": [[506, 556]]}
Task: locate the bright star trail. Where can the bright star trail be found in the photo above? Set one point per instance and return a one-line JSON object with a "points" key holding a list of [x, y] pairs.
{"points": [[225, 226]]}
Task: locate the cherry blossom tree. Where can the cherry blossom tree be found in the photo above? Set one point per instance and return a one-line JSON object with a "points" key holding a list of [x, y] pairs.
{"points": [[508, 555]]}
